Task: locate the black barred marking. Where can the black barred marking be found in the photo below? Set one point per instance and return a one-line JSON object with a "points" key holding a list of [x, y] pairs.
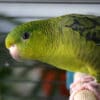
{"points": [[89, 32]]}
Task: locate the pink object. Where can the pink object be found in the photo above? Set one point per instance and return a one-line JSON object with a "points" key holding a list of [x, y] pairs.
{"points": [[14, 52], [88, 83]]}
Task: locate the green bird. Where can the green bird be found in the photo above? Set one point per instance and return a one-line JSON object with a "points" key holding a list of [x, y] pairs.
{"points": [[70, 42]]}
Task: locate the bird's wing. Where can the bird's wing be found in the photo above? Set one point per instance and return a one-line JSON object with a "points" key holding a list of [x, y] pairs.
{"points": [[88, 27]]}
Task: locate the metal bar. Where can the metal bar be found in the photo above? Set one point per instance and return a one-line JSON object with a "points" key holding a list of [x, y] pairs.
{"points": [[20, 17], [25, 98], [31, 97], [53, 2], [32, 81]]}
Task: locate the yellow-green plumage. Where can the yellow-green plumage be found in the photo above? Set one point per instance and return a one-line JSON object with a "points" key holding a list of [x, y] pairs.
{"points": [[70, 42]]}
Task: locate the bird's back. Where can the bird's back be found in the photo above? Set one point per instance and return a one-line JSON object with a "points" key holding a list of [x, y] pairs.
{"points": [[81, 34]]}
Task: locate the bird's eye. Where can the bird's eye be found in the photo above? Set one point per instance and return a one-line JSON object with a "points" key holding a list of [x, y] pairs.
{"points": [[26, 35]]}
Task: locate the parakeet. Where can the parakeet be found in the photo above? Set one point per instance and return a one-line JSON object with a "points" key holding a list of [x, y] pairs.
{"points": [[69, 42]]}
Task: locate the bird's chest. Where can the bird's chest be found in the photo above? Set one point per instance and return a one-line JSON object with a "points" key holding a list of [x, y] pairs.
{"points": [[67, 63]]}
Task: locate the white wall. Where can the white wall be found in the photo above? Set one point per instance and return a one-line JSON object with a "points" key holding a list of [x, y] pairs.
{"points": [[33, 11], [48, 10]]}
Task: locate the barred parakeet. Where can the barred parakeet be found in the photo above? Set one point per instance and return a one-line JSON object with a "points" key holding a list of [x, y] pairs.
{"points": [[70, 42]]}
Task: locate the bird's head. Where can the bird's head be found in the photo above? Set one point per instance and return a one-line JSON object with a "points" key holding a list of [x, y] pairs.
{"points": [[27, 41]]}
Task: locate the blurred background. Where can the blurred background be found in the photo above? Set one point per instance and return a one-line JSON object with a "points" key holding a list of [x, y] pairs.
{"points": [[35, 80]]}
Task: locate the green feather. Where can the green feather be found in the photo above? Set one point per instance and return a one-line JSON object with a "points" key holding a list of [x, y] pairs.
{"points": [[69, 42]]}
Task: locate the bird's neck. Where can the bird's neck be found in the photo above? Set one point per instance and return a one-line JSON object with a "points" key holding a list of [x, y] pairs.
{"points": [[57, 56], [61, 58]]}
